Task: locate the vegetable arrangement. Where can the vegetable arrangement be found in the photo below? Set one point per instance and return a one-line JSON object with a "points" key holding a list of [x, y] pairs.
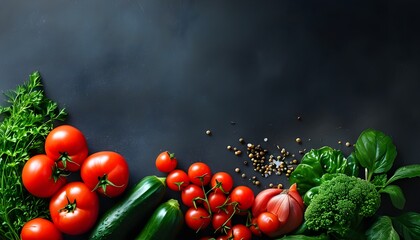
{"points": [[340, 204], [213, 202], [331, 196]]}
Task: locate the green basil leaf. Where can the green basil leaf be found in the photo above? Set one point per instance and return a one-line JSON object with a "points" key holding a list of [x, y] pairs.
{"points": [[396, 195], [375, 151], [303, 237], [316, 163], [409, 171], [408, 225], [382, 229]]}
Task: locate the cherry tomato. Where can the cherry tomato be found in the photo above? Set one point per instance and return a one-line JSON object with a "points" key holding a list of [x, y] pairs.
{"points": [[199, 173], [177, 180], [268, 222], [254, 227], [41, 177], [222, 181], [221, 222], [242, 195], [190, 193], [74, 208], [67, 145], [197, 218], [217, 200], [105, 172], [166, 162], [240, 232], [39, 228]]}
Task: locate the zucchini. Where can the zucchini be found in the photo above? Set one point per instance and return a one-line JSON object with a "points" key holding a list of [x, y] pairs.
{"points": [[165, 223], [137, 204]]}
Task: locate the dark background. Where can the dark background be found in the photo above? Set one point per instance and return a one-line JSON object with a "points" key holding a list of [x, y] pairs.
{"points": [[140, 77]]}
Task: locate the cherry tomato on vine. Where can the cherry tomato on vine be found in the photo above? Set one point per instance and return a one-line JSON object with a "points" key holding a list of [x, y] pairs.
{"points": [[177, 180], [190, 193], [199, 173], [105, 172], [166, 162], [268, 222], [217, 201], [67, 145], [40, 228], [243, 195], [221, 222], [197, 218], [74, 208], [254, 227], [222, 181], [239, 232], [41, 176]]}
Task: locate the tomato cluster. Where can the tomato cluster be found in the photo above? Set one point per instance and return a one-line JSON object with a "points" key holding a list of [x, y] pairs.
{"points": [[212, 200], [74, 206]]}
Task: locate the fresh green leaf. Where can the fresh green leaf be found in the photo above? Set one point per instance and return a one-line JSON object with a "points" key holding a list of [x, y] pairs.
{"points": [[316, 163], [408, 225], [25, 122], [409, 171], [396, 195], [382, 229], [303, 237], [375, 151]]}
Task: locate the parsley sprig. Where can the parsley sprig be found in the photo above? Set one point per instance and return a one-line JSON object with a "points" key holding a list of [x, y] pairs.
{"points": [[25, 122]]}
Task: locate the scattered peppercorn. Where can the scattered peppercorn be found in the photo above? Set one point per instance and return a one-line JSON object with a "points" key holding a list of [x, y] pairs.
{"points": [[208, 132], [348, 144], [237, 170], [298, 140]]}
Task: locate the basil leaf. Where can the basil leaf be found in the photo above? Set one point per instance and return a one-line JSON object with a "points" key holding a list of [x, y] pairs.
{"points": [[409, 171], [316, 163], [408, 225], [303, 237], [375, 151], [382, 229], [396, 195]]}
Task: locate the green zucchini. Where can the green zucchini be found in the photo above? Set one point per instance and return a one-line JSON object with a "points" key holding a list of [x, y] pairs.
{"points": [[137, 204], [165, 223]]}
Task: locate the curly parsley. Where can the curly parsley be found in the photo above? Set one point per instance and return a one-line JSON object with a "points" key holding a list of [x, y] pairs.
{"points": [[25, 122]]}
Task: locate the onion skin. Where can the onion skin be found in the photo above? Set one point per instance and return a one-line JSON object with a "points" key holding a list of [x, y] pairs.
{"points": [[261, 200]]}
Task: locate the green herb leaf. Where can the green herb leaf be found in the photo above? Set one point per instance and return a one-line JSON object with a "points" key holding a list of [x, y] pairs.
{"points": [[408, 225], [396, 195], [318, 162], [303, 237], [25, 122], [409, 171], [382, 229], [375, 151]]}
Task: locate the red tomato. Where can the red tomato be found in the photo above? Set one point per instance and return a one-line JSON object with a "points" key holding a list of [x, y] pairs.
{"points": [[242, 195], [106, 172], [39, 228], [67, 145], [190, 194], [221, 222], [74, 208], [199, 173], [197, 218], [166, 162], [268, 223], [217, 201], [254, 227], [222, 181], [177, 180], [41, 177], [240, 232]]}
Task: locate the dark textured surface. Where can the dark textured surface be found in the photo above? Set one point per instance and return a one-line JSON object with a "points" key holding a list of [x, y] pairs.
{"points": [[139, 77]]}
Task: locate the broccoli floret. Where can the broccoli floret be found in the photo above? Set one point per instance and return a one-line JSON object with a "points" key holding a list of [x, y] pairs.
{"points": [[341, 204]]}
